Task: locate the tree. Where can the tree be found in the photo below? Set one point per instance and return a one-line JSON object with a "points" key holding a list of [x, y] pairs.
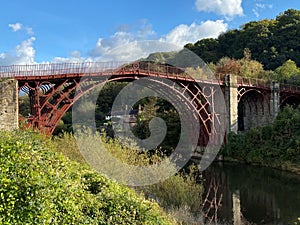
{"points": [[206, 49], [249, 67], [227, 65], [286, 71], [271, 42]]}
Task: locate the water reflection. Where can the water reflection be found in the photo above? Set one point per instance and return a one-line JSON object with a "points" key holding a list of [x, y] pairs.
{"points": [[241, 194]]}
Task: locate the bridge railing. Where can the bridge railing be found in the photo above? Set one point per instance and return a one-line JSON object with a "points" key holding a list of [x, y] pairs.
{"points": [[55, 69], [177, 72], [113, 67], [289, 88], [244, 81], [105, 67]]}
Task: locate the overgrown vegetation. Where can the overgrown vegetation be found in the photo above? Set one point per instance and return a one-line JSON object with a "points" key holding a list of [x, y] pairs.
{"points": [[40, 186], [276, 145], [179, 195], [156, 107]]}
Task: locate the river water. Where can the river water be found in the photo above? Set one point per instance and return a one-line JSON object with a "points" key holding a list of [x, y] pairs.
{"points": [[243, 194]]}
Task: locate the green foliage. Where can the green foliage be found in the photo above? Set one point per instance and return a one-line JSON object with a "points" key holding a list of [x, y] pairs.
{"points": [[39, 186], [271, 42], [245, 66], [155, 107], [206, 47], [287, 71], [161, 57], [277, 144], [179, 195], [184, 58], [178, 191], [248, 67], [24, 105]]}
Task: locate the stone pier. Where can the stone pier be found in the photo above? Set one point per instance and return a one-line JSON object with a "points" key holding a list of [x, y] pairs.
{"points": [[254, 108], [231, 99], [274, 99], [9, 109]]}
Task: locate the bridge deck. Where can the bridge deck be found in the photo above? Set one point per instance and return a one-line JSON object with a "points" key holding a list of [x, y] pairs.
{"points": [[73, 70]]}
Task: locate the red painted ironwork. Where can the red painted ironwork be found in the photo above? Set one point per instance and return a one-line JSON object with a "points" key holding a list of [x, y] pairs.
{"points": [[213, 198], [51, 88], [289, 93]]}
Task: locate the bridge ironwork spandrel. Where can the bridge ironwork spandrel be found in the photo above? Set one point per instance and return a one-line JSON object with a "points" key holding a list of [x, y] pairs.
{"points": [[53, 88]]}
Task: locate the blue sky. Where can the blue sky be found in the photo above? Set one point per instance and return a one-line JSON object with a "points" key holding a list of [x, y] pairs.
{"points": [[36, 31]]}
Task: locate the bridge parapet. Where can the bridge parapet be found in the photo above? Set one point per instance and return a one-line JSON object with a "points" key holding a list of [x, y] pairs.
{"points": [[44, 71], [111, 68], [290, 88], [245, 81], [55, 69]]}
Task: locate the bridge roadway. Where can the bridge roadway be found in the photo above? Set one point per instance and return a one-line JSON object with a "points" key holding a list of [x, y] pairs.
{"points": [[64, 70], [53, 88]]}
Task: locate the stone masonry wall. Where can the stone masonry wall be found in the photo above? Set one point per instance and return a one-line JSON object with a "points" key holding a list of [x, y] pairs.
{"points": [[9, 105]]}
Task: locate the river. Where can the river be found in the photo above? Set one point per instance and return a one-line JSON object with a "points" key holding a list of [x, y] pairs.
{"points": [[243, 194]]}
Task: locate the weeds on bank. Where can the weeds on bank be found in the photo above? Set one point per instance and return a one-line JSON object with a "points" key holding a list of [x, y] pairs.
{"points": [[180, 195]]}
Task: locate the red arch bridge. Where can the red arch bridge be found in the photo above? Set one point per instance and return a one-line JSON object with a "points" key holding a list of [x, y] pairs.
{"points": [[54, 88]]}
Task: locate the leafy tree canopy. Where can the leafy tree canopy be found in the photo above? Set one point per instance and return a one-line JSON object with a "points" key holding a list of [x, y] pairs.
{"points": [[271, 41]]}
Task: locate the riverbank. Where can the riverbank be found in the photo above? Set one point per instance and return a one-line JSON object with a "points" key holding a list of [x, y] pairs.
{"points": [[285, 166], [276, 145], [180, 195]]}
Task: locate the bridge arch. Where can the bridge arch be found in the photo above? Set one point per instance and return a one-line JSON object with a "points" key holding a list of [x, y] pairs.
{"points": [[253, 109], [51, 97], [292, 100], [49, 104]]}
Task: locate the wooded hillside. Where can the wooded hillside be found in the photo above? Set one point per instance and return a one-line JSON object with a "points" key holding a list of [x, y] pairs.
{"points": [[271, 41]]}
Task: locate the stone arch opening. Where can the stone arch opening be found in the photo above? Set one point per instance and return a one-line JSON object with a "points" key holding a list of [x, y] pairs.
{"points": [[253, 110], [292, 100]]}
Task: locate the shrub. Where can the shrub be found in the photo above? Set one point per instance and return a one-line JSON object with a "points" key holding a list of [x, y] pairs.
{"points": [[272, 145], [181, 193], [39, 186]]}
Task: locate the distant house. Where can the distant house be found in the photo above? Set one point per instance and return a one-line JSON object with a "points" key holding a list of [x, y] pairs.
{"points": [[120, 118]]}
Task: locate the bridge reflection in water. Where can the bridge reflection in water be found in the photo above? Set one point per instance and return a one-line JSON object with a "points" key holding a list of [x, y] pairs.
{"points": [[242, 194]]}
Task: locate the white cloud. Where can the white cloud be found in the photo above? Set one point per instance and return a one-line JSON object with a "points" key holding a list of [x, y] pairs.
{"points": [[263, 6], [125, 46], [24, 53], [29, 31], [184, 34], [15, 27], [18, 26], [260, 7], [145, 30], [227, 8], [255, 11], [128, 46]]}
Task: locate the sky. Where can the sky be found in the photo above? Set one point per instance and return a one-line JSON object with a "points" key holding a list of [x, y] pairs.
{"points": [[57, 31]]}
